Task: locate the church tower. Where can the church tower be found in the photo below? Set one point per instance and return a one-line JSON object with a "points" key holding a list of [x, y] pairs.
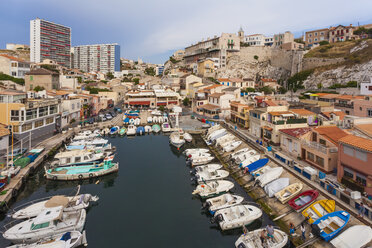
{"points": [[241, 34]]}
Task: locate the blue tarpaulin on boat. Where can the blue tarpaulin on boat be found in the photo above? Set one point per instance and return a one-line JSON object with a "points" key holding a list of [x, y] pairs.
{"points": [[126, 120]]}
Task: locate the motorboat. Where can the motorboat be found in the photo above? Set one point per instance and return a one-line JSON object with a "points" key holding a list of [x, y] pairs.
{"points": [[256, 165], [77, 157], [213, 188], [195, 150], [9, 171], [176, 139], [356, 236], [224, 139], [155, 128], [212, 129], [328, 226], [303, 199], [201, 160], [84, 136], [215, 135], [160, 119], [148, 129], [206, 167], [223, 201], [98, 142], [249, 161], [232, 146], [132, 121], [187, 137], [269, 176], [97, 132], [289, 192], [126, 120], [210, 175], [165, 127], [239, 152], [165, 118], [69, 203], [131, 130], [137, 121], [237, 216], [107, 148], [260, 171], [122, 131], [276, 186], [199, 155], [140, 130], [149, 119], [318, 209], [49, 222], [114, 130], [243, 156], [156, 112], [252, 240], [70, 239], [155, 119], [83, 171], [105, 131]]}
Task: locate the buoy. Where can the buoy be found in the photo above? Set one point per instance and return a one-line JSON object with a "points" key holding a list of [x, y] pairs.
{"points": [[178, 148], [97, 182]]}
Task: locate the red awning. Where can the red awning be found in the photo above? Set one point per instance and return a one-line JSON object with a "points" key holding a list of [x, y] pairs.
{"points": [[172, 102], [161, 103], [139, 103]]}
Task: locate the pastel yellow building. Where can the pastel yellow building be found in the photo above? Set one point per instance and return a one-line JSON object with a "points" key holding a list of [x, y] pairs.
{"points": [[206, 68]]}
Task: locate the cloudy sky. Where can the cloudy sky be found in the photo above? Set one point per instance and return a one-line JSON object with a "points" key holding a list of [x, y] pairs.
{"points": [[152, 30]]}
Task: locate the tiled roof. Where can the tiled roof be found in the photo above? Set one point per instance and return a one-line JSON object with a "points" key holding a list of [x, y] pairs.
{"points": [[12, 92], [270, 103], [332, 133], [230, 80], [302, 112], [338, 113], [230, 89], [41, 71], [329, 96], [277, 113], [12, 57], [216, 94], [3, 130], [365, 128], [322, 94], [359, 142], [349, 97], [296, 132], [209, 107], [212, 86], [268, 80]]}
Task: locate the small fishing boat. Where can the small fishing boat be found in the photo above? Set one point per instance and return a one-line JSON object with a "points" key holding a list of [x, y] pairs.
{"points": [[328, 226], [84, 136], [201, 160], [176, 139], [356, 236], [195, 150], [149, 119], [239, 152], [303, 199], [215, 135], [213, 188], [98, 142], [148, 129], [223, 201], [126, 120], [16, 152], [244, 156], [140, 130], [237, 216], [137, 121], [187, 137], [77, 157], [276, 186], [165, 118], [131, 130], [260, 171], [165, 127], [122, 131], [289, 192], [83, 171], [210, 175], [257, 165], [318, 209], [232, 146], [269, 176], [97, 132], [206, 167], [9, 171], [252, 240], [70, 239], [105, 131], [50, 222], [249, 161], [132, 121], [160, 119], [199, 155], [155, 119], [114, 130], [155, 128]]}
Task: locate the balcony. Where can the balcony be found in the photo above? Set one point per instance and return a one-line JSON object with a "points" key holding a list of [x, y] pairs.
{"points": [[344, 105], [289, 121], [319, 147]]}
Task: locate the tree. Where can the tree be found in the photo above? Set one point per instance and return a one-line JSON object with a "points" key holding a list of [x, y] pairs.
{"points": [[267, 90], [186, 101], [319, 85], [282, 90], [39, 88], [255, 57], [352, 84], [361, 30], [136, 80], [161, 108], [80, 80], [249, 89], [296, 81], [20, 81], [150, 71], [109, 75]]}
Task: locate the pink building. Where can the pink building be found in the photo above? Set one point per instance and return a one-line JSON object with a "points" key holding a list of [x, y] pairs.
{"points": [[354, 167], [363, 108]]}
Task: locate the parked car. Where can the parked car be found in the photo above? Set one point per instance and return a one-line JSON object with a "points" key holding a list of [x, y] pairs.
{"points": [[108, 116], [113, 114]]}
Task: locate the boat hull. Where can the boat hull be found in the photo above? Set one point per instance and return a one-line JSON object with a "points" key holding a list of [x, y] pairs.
{"points": [[302, 200]]}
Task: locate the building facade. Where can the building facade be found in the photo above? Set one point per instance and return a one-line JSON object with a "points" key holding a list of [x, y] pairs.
{"points": [[315, 36], [97, 58], [49, 40], [47, 79], [13, 66], [340, 33], [280, 39]]}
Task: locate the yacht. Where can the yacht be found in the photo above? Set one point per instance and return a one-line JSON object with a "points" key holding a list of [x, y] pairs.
{"points": [[77, 157], [176, 139]]}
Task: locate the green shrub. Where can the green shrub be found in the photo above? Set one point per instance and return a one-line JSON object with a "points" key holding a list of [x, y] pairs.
{"points": [[20, 81], [323, 42]]}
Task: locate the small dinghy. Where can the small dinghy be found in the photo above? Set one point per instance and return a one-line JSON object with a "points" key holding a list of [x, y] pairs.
{"points": [[232, 146], [148, 129], [202, 168], [140, 130], [303, 199], [319, 209], [149, 119], [257, 165], [187, 137], [237, 216], [249, 161], [122, 131], [356, 236], [210, 175], [131, 130], [165, 127], [328, 226], [156, 128], [252, 240], [276, 186], [223, 201], [66, 240], [114, 130], [289, 192], [269, 176], [213, 188], [155, 119], [201, 160], [195, 150]]}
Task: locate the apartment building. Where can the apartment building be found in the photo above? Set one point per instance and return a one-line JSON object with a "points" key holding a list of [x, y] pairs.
{"points": [[313, 37], [280, 39], [43, 78], [257, 40], [290, 140], [236, 82], [49, 40], [97, 58], [340, 33], [240, 113], [206, 68], [13, 66]]}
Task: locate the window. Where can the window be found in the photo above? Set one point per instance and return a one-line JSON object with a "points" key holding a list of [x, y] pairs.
{"points": [[310, 156], [26, 127], [369, 112], [362, 155], [320, 161], [316, 34], [53, 109], [14, 115], [321, 33], [361, 179], [39, 123], [322, 141], [360, 108], [77, 159], [39, 226], [31, 114], [316, 39], [348, 173], [43, 111], [15, 129], [49, 120], [348, 150], [68, 160]]}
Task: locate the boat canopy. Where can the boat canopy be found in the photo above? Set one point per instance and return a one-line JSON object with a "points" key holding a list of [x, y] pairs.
{"points": [[73, 153], [56, 201], [48, 215]]}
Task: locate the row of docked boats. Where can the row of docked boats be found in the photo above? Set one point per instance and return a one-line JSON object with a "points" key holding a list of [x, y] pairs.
{"points": [[179, 137], [326, 222], [86, 156], [56, 221]]}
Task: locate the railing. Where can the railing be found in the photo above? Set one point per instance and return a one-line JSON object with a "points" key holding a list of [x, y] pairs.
{"points": [[296, 121], [344, 105], [319, 147]]}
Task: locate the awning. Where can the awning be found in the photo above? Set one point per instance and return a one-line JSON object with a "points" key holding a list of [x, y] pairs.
{"points": [[139, 102], [161, 104]]}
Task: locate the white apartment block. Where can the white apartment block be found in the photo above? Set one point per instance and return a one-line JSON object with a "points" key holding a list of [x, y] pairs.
{"points": [[49, 40], [97, 58]]}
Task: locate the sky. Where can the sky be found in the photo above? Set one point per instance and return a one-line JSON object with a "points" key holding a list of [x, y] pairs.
{"points": [[153, 30]]}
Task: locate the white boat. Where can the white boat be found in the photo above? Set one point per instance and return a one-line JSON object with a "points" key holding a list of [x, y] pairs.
{"points": [[199, 155], [148, 129], [149, 119], [66, 240], [275, 186], [252, 240], [249, 160], [216, 132], [239, 152], [187, 137], [97, 132], [356, 236], [165, 127], [51, 221], [160, 119], [240, 158], [85, 135], [215, 135], [237, 216], [69, 203], [260, 171], [210, 175], [156, 112], [165, 118], [232, 146], [195, 150], [77, 157], [202, 168], [289, 192], [132, 121], [137, 121], [212, 129], [269, 176], [131, 130], [176, 139], [223, 201], [155, 119], [201, 160], [105, 131], [224, 139], [213, 188], [98, 142]]}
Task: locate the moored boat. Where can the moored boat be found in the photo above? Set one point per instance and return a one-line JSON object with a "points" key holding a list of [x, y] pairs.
{"points": [[213, 188], [232, 146], [77, 157], [252, 240], [131, 130], [223, 201], [176, 139], [318, 209], [249, 161], [140, 130], [187, 137], [289, 192], [239, 152], [303, 199], [210, 175], [114, 130], [202, 168], [148, 129], [356, 236], [195, 150], [201, 160], [328, 226], [165, 127], [256, 165], [269, 176], [122, 131], [155, 128], [275, 186]]}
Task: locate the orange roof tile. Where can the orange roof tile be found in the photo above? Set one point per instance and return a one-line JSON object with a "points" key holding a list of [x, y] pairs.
{"points": [[329, 96], [296, 132], [359, 142], [280, 113], [270, 103], [217, 94], [349, 97], [302, 112], [212, 86], [332, 133], [366, 128], [12, 57], [338, 113]]}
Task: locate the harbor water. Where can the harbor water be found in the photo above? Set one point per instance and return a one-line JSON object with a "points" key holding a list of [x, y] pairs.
{"points": [[148, 203]]}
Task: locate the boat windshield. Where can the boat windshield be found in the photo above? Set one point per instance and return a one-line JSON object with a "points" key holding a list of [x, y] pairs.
{"points": [[39, 226]]}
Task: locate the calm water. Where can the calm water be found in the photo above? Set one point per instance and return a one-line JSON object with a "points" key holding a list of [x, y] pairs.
{"points": [[147, 204]]}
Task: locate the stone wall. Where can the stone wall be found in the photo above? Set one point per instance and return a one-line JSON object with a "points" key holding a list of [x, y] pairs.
{"points": [[311, 63]]}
